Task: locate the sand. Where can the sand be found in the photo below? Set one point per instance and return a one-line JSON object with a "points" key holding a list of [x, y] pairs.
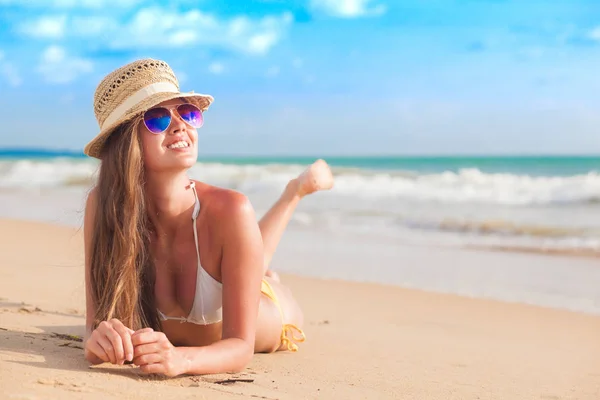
{"points": [[365, 340]]}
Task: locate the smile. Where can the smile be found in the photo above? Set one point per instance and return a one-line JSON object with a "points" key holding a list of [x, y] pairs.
{"points": [[178, 145]]}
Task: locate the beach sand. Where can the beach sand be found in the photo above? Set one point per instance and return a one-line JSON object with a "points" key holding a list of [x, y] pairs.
{"points": [[365, 340]]}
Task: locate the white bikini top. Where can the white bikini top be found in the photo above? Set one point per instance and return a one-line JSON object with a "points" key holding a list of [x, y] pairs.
{"points": [[208, 299]]}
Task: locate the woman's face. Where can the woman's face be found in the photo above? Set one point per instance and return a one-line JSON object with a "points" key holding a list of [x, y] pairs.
{"points": [[174, 149]]}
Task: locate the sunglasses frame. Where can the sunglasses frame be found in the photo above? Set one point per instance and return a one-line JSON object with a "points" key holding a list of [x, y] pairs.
{"points": [[170, 109]]}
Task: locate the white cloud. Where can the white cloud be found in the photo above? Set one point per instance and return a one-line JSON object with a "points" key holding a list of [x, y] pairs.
{"points": [[99, 3], [531, 53], [273, 71], [183, 37], [92, 26], [58, 26], [93, 4], [182, 77], [66, 98], [347, 8], [9, 72], [594, 34], [50, 26], [262, 42], [58, 67], [216, 68], [53, 54], [156, 27]]}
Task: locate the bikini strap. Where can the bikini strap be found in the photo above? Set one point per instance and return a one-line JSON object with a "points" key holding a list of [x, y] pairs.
{"points": [[288, 337], [197, 203], [194, 216]]}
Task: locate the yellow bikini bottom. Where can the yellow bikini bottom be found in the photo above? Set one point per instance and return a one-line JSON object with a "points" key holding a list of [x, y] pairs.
{"points": [[287, 333]]}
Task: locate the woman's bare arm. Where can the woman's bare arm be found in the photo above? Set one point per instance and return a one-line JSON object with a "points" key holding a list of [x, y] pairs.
{"points": [[241, 271], [88, 226]]}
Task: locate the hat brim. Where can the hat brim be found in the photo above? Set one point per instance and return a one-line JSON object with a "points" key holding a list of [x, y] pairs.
{"points": [[94, 147]]}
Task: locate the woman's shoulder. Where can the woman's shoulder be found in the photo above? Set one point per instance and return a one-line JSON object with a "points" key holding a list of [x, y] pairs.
{"points": [[229, 217], [222, 203], [92, 198]]}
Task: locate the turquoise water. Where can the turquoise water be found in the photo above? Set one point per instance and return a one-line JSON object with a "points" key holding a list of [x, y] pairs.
{"points": [[522, 165], [517, 165]]}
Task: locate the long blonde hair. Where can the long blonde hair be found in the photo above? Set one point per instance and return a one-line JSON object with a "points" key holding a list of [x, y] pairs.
{"points": [[122, 269]]}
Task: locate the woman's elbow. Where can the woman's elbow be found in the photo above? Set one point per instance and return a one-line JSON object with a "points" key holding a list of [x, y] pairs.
{"points": [[244, 358]]}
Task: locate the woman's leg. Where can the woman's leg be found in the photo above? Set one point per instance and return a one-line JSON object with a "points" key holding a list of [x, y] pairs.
{"points": [[269, 326], [271, 321], [316, 177]]}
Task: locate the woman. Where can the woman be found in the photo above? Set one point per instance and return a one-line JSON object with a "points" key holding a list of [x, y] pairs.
{"points": [[177, 278]]}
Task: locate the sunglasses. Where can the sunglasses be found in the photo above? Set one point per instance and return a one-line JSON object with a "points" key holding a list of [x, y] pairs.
{"points": [[158, 119]]}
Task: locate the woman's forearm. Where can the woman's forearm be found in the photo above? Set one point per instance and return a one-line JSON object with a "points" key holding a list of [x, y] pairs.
{"points": [[225, 356]]}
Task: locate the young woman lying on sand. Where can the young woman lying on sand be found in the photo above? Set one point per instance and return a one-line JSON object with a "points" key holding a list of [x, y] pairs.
{"points": [[177, 277]]}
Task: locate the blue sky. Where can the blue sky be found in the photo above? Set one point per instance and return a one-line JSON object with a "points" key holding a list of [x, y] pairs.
{"points": [[319, 76]]}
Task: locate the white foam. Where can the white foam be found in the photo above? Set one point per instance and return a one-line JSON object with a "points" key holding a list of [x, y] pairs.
{"points": [[464, 186], [34, 173], [474, 186]]}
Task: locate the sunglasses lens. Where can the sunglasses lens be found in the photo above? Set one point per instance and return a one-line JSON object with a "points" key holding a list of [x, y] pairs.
{"points": [[191, 114], [157, 119]]}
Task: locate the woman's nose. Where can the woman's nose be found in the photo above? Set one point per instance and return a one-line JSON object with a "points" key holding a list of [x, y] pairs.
{"points": [[177, 124]]}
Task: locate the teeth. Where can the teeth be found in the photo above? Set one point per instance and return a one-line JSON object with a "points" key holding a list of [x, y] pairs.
{"points": [[178, 145]]}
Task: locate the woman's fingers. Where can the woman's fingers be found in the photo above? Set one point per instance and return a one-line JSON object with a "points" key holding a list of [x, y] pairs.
{"points": [[114, 342], [117, 344], [140, 331], [125, 337], [145, 359], [145, 336], [111, 341], [96, 349], [148, 348], [156, 368], [107, 346]]}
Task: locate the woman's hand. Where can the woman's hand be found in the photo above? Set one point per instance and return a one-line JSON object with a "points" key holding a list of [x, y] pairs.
{"points": [[110, 342], [155, 354]]}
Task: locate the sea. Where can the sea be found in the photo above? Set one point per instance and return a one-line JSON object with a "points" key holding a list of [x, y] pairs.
{"points": [[533, 203]]}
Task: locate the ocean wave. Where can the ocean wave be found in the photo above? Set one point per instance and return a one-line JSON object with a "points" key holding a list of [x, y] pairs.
{"points": [[472, 185], [463, 186], [55, 173]]}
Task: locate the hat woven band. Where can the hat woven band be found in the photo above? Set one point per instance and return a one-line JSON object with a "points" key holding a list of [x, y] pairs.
{"points": [[137, 97]]}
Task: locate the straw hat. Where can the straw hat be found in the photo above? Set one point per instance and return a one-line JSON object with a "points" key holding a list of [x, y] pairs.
{"points": [[132, 89]]}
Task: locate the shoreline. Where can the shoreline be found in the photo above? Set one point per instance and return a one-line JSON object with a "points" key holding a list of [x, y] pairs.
{"points": [[75, 234], [506, 274], [533, 250]]}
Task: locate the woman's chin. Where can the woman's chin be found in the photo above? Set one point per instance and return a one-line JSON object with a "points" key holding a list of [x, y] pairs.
{"points": [[182, 156], [172, 160], [185, 162]]}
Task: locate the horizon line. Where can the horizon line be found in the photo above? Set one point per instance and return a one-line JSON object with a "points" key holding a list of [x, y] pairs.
{"points": [[16, 150]]}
